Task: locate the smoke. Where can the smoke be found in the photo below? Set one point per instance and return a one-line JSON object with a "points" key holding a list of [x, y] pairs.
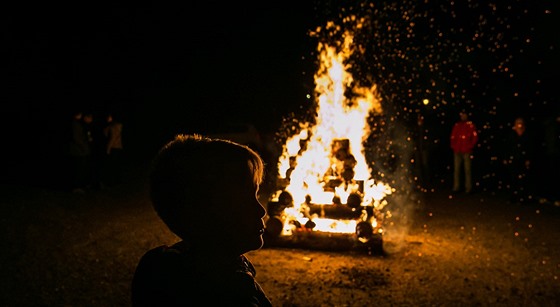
{"points": [[389, 150]]}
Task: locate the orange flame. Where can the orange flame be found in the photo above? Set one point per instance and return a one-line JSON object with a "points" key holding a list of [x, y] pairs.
{"points": [[337, 118]]}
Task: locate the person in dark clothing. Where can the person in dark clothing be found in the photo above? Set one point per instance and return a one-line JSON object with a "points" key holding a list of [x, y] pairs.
{"points": [[549, 165], [519, 153], [422, 155], [79, 153], [113, 150], [205, 191], [98, 141]]}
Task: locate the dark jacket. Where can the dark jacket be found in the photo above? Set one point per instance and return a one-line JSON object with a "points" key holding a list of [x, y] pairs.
{"points": [[167, 276]]}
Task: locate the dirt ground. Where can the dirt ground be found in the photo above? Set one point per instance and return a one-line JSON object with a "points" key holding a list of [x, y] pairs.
{"points": [[63, 249]]}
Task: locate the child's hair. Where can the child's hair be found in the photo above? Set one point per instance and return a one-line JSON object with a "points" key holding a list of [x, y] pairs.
{"points": [[191, 168]]}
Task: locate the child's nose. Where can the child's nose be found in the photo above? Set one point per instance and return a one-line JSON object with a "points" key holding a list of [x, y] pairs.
{"points": [[261, 209]]}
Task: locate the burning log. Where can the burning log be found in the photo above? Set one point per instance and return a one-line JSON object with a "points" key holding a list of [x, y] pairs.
{"points": [[364, 231], [335, 211], [273, 226], [327, 241], [311, 229], [285, 200], [342, 165]]}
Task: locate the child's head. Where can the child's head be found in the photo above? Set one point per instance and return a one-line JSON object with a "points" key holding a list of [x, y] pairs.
{"points": [[205, 191]]}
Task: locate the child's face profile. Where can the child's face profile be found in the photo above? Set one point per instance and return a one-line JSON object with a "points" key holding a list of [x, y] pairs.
{"points": [[232, 220]]}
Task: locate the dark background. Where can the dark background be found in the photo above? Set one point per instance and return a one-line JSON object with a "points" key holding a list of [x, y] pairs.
{"points": [[172, 68], [164, 67]]}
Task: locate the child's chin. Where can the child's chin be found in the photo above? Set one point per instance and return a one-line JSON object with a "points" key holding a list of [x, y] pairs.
{"points": [[257, 244]]}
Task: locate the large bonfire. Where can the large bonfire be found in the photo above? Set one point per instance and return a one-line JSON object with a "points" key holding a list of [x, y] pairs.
{"points": [[324, 163]]}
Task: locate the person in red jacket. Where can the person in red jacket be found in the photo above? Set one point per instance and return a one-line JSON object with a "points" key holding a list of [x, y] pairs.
{"points": [[463, 139]]}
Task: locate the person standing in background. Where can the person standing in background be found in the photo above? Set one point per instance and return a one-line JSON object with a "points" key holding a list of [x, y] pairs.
{"points": [[463, 139], [518, 159], [91, 173], [79, 152], [98, 155], [422, 155], [549, 166], [114, 149]]}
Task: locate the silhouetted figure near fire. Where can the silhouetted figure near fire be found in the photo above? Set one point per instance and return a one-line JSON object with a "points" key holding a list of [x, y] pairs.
{"points": [[79, 153], [519, 154], [421, 155], [205, 191], [97, 140], [113, 150], [549, 165], [463, 139]]}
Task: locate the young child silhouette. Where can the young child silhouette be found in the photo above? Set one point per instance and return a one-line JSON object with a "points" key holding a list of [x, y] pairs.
{"points": [[205, 191]]}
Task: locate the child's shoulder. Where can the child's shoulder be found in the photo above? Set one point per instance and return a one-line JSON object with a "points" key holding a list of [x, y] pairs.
{"points": [[162, 257]]}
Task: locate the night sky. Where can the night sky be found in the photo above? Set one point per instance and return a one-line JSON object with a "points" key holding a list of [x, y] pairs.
{"points": [[171, 68], [170, 64]]}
